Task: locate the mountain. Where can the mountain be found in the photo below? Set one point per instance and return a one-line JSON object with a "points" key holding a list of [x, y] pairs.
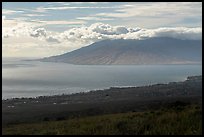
{"points": [[158, 50]]}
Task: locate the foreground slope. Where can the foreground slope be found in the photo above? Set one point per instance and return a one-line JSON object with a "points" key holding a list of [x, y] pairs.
{"points": [[176, 119]]}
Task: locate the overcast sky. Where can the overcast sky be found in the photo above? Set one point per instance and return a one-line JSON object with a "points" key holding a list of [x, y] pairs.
{"points": [[49, 28]]}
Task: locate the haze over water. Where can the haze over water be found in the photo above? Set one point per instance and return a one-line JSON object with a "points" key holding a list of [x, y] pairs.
{"points": [[34, 78]]}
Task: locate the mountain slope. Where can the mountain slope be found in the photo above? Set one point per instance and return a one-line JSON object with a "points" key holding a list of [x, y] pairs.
{"points": [[161, 50]]}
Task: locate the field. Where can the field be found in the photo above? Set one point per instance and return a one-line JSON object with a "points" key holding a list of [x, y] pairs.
{"points": [[178, 119]]}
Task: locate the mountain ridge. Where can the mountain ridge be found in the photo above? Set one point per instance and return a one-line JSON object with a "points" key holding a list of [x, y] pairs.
{"points": [[158, 50]]}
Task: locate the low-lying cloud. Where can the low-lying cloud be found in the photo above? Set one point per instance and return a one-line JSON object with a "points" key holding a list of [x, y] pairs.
{"points": [[100, 31], [78, 37]]}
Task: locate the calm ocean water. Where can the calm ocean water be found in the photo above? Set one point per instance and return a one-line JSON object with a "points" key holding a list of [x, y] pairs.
{"points": [[34, 78]]}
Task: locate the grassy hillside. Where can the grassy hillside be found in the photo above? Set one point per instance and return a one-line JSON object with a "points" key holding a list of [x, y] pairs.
{"points": [[177, 118]]}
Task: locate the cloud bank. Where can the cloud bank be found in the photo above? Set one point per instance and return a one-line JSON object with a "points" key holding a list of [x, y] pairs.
{"points": [[99, 31], [78, 37]]}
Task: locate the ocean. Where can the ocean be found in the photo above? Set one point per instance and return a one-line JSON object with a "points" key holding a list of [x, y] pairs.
{"points": [[22, 78]]}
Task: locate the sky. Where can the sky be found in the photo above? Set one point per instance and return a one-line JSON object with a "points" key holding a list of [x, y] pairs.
{"points": [[41, 29]]}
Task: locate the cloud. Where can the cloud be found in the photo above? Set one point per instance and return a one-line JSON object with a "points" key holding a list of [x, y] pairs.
{"points": [[39, 10], [107, 29], [62, 22], [77, 7], [99, 31], [179, 33], [94, 18], [20, 29], [9, 12], [156, 9], [52, 39], [156, 14], [67, 7], [74, 38], [88, 2], [30, 47], [34, 15], [3, 18], [40, 32]]}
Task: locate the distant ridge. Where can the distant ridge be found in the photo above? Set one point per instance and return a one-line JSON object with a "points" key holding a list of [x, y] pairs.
{"points": [[158, 50]]}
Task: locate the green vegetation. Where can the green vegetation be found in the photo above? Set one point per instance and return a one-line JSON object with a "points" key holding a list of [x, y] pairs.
{"points": [[176, 119]]}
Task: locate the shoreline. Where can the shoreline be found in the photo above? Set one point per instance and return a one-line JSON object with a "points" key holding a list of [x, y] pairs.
{"points": [[100, 102], [96, 90]]}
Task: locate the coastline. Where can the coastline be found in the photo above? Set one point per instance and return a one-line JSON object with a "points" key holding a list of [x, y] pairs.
{"points": [[108, 101], [105, 89]]}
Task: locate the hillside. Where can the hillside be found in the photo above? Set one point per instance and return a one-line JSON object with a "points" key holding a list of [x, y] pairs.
{"points": [[160, 50], [177, 119]]}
